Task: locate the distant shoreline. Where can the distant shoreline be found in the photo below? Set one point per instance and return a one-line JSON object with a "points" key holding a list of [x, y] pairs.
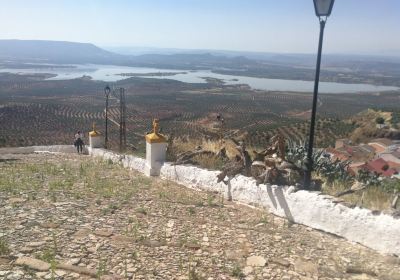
{"points": [[113, 73], [154, 74]]}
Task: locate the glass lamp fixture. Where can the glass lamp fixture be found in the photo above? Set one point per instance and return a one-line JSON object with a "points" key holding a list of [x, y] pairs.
{"points": [[323, 8], [107, 90]]}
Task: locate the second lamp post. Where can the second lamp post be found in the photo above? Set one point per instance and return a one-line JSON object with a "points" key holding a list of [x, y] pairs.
{"points": [[107, 91]]}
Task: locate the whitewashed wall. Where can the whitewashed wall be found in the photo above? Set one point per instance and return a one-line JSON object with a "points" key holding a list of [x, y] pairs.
{"points": [[380, 232]]}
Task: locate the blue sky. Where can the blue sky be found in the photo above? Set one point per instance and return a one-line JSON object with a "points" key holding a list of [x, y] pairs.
{"points": [[355, 26]]}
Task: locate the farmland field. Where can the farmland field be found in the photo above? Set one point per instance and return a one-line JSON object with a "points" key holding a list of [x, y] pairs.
{"points": [[34, 111]]}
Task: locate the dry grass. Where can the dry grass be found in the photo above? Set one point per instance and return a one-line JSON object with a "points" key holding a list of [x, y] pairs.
{"points": [[373, 197], [367, 126], [180, 145], [183, 145], [66, 178]]}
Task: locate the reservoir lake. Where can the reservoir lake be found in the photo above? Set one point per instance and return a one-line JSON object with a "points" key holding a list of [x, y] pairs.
{"points": [[109, 73]]}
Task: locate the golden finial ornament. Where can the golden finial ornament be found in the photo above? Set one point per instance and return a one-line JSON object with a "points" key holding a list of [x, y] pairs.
{"points": [[94, 132], [155, 136], [156, 126]]}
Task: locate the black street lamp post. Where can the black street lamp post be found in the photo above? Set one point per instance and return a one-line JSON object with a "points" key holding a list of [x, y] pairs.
{"points": [[107, 91], [323, 9]]}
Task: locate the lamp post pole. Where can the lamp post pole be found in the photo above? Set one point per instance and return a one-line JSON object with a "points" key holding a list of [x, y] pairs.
{"points": [[107, 94], [323, 9], [309, 159], [122, 122]]}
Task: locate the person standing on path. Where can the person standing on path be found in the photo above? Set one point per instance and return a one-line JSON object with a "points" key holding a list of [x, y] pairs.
{"points": [[79, 142]]}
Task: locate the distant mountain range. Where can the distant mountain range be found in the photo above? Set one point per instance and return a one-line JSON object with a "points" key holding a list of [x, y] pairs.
{"points": [[284, 58], [371, 69], [55, 52], [71, 52], [37, 51]]}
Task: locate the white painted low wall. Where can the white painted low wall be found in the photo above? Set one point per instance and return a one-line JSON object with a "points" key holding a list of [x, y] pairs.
{"points": [[380, 232], [127, 161]]}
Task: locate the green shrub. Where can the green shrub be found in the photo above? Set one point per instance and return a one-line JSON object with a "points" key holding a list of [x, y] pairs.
{"points": [[391, 185], [4, 249], [380, 120]]}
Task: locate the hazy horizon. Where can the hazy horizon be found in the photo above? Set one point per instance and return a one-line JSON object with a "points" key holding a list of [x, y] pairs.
{"points": [[150, 49], [138, 50], [284, 26]]}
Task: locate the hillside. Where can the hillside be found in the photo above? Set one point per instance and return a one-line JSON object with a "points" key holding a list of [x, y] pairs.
{"points": [[71, 217], [44, 112], [39, 51], [55, 52], [367, 127]]}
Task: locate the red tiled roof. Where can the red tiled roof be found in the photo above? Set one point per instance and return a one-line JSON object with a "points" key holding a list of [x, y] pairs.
{"points": [[394, 165], [382, 141], [355, 167], [342, 155], [378, 166], [378, 147]]}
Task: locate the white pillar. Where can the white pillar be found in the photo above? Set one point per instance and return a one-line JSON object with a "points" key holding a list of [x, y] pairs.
{"points": [[156, 149], [155, 158], [95, 141]]}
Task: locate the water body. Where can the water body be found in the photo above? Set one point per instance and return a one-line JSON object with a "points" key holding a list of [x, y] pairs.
{"points": [[110, 73]]}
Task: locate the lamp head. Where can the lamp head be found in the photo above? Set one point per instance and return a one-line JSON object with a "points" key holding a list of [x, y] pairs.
{"points": [[107, 90], [323, 8]]}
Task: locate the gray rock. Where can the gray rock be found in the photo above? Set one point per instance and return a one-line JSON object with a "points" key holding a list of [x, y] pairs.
{"points": [[33, 263], [256, 261], [15, 200], [26, 249], [103, 232], [73, 261], [359, 270], [36, 244], [280, 261], [306, 267], [248, 270]]}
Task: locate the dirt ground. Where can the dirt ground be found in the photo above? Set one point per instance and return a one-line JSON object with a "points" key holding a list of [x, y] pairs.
{"points": [[72, 217]]}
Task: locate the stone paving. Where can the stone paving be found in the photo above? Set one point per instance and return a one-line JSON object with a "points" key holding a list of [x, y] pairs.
{"points": [[72, 217]]}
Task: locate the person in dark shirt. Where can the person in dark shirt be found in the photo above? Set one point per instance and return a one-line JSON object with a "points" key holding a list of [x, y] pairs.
{"points": [[79, 142]]}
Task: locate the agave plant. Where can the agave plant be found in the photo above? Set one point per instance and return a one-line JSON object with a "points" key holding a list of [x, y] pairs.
{"points": [[323, 165], [334, 170], [296, 153], [368, 178]]}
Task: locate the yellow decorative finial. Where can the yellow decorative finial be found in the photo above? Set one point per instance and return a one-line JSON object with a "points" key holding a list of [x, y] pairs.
{"points": [[155, 136], [94, 133], [156, 126]]}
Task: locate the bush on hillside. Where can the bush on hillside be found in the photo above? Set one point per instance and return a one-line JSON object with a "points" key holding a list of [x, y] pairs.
{"points": [[380, 120]]}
